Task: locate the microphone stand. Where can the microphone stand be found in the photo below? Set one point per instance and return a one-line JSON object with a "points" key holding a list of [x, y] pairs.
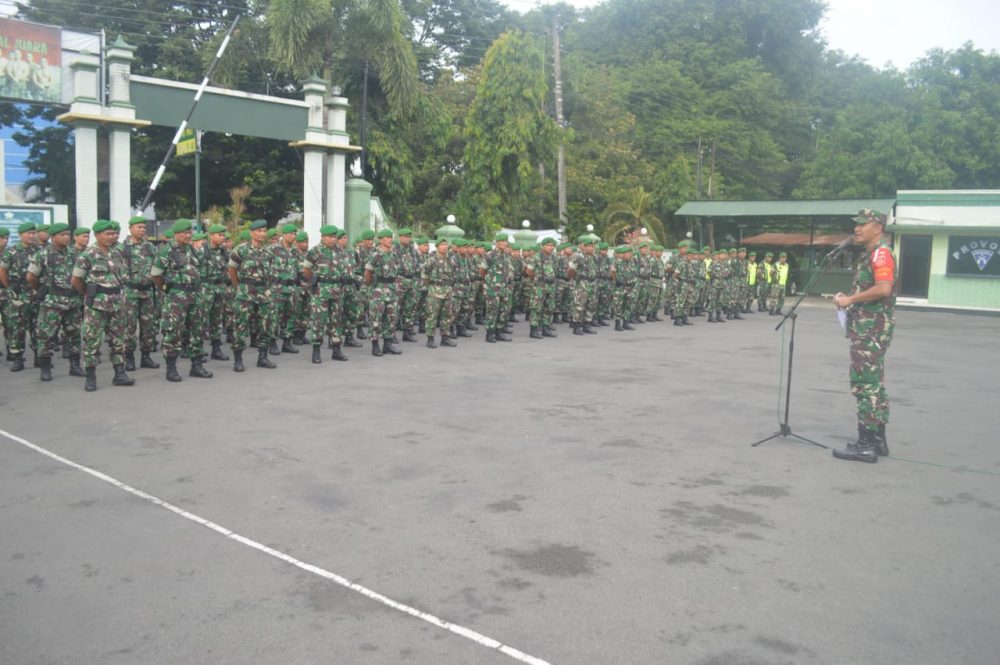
{"points": [[784, 429]]}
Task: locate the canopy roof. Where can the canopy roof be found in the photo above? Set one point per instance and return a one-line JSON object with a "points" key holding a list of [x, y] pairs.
{"points": [[771, 209], [952, 209]]}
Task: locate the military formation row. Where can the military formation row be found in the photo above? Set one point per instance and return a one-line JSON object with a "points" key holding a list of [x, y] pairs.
{"points": [[277, 292]]}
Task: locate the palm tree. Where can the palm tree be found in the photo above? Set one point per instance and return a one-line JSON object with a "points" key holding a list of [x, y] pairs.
{"points": [[633, 214]]}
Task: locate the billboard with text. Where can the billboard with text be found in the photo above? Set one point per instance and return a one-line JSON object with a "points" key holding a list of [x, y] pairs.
{"points": [[30, 61]]}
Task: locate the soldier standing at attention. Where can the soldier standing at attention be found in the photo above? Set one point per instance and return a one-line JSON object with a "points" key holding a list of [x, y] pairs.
{"points": [[139, 254], [582, 272], [604, 286], [655, 283], [350, 305], [250, 274], [177, 276], [541, 272], [363, 249], [781, 271], [300, 317], [4, 238], [14, 264], [381, 271], [716, 284], [98, 276], [438, 273], [624, 276], [59, 315], [328, 272], [214, 266], [871, 309], [765, 277], [423, 246], [497, 280], [284, 292], [81, 238], [409, 284]]}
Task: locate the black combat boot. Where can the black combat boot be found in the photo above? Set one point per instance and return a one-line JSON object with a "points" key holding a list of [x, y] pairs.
{"points": [[45, 368], [389, 346], [588, 330], [409, 335], [881, 445], [90, 385], [685, 321], [217, 352], [361, 332], [431, 344], [352, 343], [376, 348], [626, 325], [146, 362], [547, 331], [678, 320], [736, 315], [650, 318], [577, 328], [34, 360], [460, 330], [262, 359], [508, 329], [601, 321], [287, 346], [618, 324], [729, 315], [238, 360], [502, 335], [491, 336], [718, 317], [470, 326], [557, 317], [480, 319], [198, 367], [422, 328], [711, 317], [317, 359], [74, 366], [130, 361], [535, 333], [121, 378], [861, 451], [300, 338], [172, 374], [16, 361], [448, 341], [337, 353], [273, 348]]}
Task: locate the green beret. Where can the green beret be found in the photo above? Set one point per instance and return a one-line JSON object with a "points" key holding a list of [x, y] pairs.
{"points": [[301, 236], [384, 233], [257, 224], [657, 248], [783, 255], [341, 232], [622, 249], [732, 250], [742, 249], [42, 227], [868, 215], [25, 227], [584, 240], [136, 220], [421, 240], [501, 237], [405, 231], [706, 248], [4, 232], [602, 245], [753, 254], [289, 228], [440, 240], [58, 228], [486, 245], [272, 232], [367, 234], [101, 225], [535, 248], [216, 228], [115, 225], [548, 241], [82, 231], [169, 233], [769, 255], [181, 225], [201, 235], [243, 235], [328, 230]]}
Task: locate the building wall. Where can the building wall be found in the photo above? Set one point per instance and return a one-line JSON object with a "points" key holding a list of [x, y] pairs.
{"points": [[954, 290]]}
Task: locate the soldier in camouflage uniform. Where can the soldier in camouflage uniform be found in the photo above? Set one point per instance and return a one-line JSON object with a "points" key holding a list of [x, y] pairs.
{"points": [[498, 276], [349, 307], [408, 293], [644, 274], [139, 293], [656, 283], [871, 316], [61, 310], [4, 238], [17, 305], [542, 271], [329, 272], [604, 286], [563, 298], [177, 274], [779, 282], [363, 249], [423, 246], [752, 282], [480, 262], [99, 276], [582, 272], [718, 272], [81, 238], [688, 264], [302, 313], [519, 286], [381, 272], [250, 273], [765, 275], [285, 290], [438, 273], [214, 268], [624, 274]]}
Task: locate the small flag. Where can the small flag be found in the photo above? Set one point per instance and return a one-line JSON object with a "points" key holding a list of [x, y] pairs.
{"points": [[188, 143]]}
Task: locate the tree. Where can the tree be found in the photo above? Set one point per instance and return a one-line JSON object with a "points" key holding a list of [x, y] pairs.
{"points": [[633, 215]]}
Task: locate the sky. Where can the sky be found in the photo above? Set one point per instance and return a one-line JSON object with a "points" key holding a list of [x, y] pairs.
{"points": [[897, 31]]}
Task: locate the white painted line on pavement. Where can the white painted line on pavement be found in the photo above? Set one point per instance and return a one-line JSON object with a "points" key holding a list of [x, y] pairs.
{"points": [[467, 633]]}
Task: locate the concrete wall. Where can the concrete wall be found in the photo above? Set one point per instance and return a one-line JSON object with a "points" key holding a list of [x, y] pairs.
{"points": [[954, 290]]}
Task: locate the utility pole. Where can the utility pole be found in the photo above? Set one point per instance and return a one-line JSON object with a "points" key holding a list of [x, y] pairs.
{"points": [[364, 123], [561, 163], [701, 159]]}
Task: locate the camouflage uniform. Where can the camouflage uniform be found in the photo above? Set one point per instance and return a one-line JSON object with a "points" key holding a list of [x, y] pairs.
{"points": [[60, 313], [438, 273], [332, 269], [215, 289], [625, 281], [182, 324], [605, 288], [718, 273], [563, 298], [19, 303], [139, 296], [655, 287], [253, 294], [545, 288], [382, 302], [104, 311], [363, 293], [408, 291], [584, 289], [284, 293], [497, 287]]}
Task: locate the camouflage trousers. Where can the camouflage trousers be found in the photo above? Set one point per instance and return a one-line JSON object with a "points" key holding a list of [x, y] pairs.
{"points": [[408, 295], [543, 304], [139, 312], [182, 324], [624, 297], [584, 302], [250, 319], [353, 316], [382, 311], [439, 313], [683, 294], [640, 297], [870, 339], [563, 298], [228, 313], [605, 295], [15, 320], [715, 300], [326, 314], [284, 307], [57, 324], [465, 302], [479, 301], [775, 296], [99, 324], [422, 304], [212, 302], [669, 292], [497, 307]]}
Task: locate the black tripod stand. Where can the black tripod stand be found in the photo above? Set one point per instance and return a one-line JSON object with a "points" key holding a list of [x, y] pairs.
{"points": [[784, 429]]}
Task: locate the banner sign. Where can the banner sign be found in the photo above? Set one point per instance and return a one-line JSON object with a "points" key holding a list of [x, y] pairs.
{"points": [[12, 217], [974, 255], [188, 143], [30, 66]]}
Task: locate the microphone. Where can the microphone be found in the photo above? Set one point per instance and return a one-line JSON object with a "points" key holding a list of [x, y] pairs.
{"points": [[844, 244]]}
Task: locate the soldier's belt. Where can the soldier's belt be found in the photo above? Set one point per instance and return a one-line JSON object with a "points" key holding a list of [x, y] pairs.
{"points": [[108, 290], [440, 283], [334, 280], [386, 280], [220, 281], [286, 282], [136, 286], [186, 288], [407, 275], [252, 282], [59, 291], [585, 279], [546, 281]]}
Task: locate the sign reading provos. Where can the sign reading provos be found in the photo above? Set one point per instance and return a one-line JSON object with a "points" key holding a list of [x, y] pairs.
{"points": [[29, 61], [974, 255]]}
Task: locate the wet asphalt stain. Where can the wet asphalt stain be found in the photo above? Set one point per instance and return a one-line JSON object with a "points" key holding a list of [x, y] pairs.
{"points": [[514, 583], [705, 481], [716, 518], [511, 505], [700, 554], [777, 645], [553, 560], [36, 581], [765, 491], [963, 498], [621, 442]]}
